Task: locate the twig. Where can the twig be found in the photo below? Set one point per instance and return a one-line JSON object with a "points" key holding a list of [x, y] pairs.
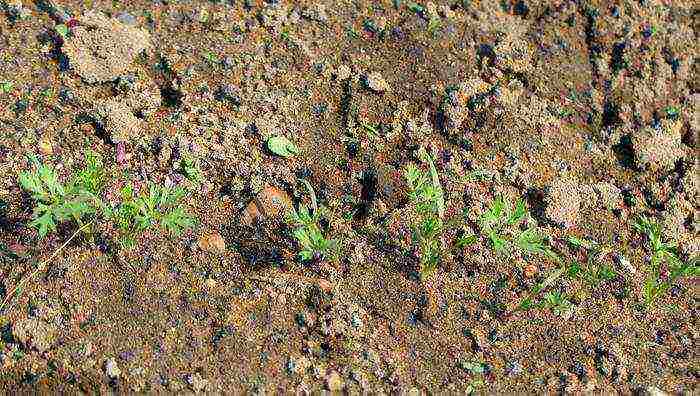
{"points": [[18, 289]]}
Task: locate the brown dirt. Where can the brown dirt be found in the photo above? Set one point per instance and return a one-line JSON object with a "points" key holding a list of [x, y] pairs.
{"points": [[571, 93]]}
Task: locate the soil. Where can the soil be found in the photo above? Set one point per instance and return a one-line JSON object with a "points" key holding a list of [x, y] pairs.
{"points": [[587, 110]]}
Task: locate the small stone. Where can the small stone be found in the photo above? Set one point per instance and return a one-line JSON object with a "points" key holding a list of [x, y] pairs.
{"points": [[66, 95], [317, 13], [610, 196], [126, 18], [112, 369], [413, 392], [196, 382], [361, 379], [270, 203], [530, 270], [624, 262], [228, 62], [117, 119], [212, 242], [376, 82], [325, 285], [45, 146], [18, 248], [431, 10], [343, 72], [658, 147], [334, 382], [651, 391]]}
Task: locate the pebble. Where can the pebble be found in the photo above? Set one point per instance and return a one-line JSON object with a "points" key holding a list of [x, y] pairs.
{"points": [[101, 48], [625, 263], [196, 382], [343, 72], [228, 62], [35, 333], [530, 270], [212, 242], [334, 382], [270, 203], [45, 146], [126, 18], [112, 369], [325, 285], [376, 82]]}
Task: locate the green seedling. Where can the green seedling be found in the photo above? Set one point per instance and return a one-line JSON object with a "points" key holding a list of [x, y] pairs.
{"points": [[672, 111], [309, 235], [6, 86], [665, 267], [58, 202], [212, 58], [415, 7], [157, 207], [282, 146], [80, 201], [530, 300], [593, 272], [498, 223], [425, 192], [190, 169], [62, 30], [557, 302]]}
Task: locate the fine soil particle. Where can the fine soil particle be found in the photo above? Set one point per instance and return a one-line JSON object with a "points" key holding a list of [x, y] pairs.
{"points": [[584, 111]]}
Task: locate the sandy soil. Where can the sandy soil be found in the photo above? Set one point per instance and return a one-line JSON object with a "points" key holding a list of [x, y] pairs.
{"points": [[586, 110]]}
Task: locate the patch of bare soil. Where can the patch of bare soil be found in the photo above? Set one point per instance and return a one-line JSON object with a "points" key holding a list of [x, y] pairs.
{"points": [[289, 127]]}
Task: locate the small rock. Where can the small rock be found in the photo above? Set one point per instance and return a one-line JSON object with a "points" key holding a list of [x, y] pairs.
{"points": [[651, 391], [610, 196], [212, 242], [228, 62], [334, 382], [658, 147], [270, 203], [112, 369], [45, 146], [196, 382], [343, 72], [317, 13], [624, 262], [325, 285], [16, 11], [18, 248], [530, 270], [456, 106], [361, 379], [126, 18], [431, 10], [376, 82]]}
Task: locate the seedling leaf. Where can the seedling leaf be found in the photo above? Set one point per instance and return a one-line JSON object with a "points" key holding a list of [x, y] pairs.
{"points": [[282, 146]]}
